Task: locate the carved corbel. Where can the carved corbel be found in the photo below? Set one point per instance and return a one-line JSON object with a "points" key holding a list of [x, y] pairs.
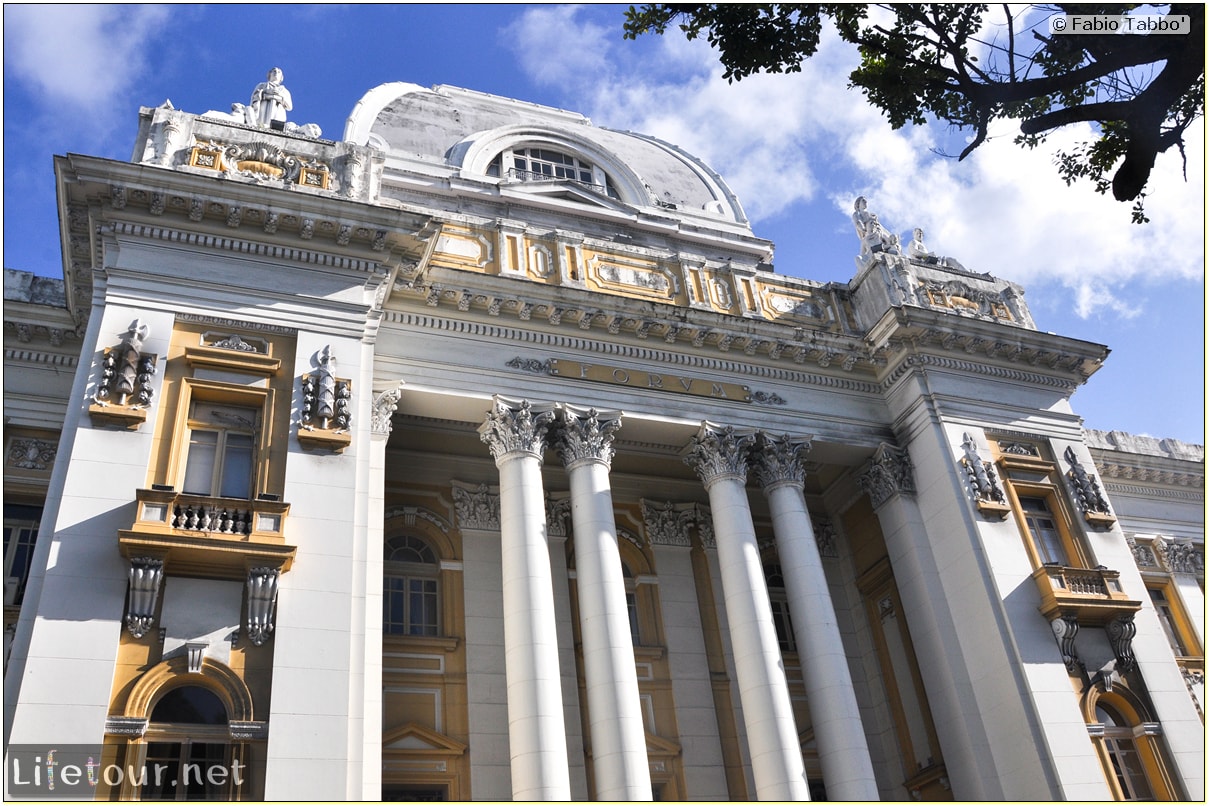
{"points": [[146, 576], [1120, 632], [262, 603], [326, 406], [1066, 628], [125, 389]]}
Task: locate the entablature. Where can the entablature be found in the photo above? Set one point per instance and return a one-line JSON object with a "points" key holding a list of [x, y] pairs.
{"points": [[909, 338]]}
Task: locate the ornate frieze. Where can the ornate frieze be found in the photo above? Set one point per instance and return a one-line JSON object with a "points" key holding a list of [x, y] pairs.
{"points": [[780, 461], [982, 481], [262, 603], [326, 406], [586, 435], [234, 342], [516, 427], [1143, 555], [32, 454], [888, 473], [476, 507], [1182, 557], [146, 574], [720, 452]]}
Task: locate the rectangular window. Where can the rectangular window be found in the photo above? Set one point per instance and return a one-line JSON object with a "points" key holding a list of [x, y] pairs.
{"points": [[1183, 644], [20, 537], [410, 606], [222, 450], [1035, 490]]}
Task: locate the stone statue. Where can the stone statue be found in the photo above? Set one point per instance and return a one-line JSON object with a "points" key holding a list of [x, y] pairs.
{"points": [[874, 237], [270, 101], [919, 253]]}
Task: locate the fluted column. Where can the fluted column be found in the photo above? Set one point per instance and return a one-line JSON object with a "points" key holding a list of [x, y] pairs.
{"points": [[614, 713], [516, 433], [835, 714], [719, 455]]}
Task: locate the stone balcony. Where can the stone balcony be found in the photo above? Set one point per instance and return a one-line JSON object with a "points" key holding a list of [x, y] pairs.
{"points": [[214, 537], [1092, 595]]}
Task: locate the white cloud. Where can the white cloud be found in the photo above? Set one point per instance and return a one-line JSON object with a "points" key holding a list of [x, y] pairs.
{"points": [[1003, 210], [78, 58]]}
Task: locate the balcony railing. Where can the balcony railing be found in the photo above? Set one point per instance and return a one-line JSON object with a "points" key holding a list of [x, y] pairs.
{"points": [[1093, 595], [535, 176], [206, 534]]}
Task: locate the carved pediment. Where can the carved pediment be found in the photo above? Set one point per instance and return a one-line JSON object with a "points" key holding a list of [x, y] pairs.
{"points": [[413, 738]]}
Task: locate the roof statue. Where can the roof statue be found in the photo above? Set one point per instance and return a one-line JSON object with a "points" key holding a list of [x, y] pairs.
{"points": [[874, 237], [268, 107], [270, 101], [919, 253]]}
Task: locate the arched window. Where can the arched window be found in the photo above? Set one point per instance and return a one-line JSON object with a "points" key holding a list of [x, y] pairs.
{"points": [[189, 755], [533, 164], [1130, 750], [779, 600], [410, 590]]}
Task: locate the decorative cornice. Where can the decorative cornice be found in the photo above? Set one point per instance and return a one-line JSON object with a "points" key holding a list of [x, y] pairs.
{"points": [[15, 355], [779, 341], [244, 246], [920, 360], [1155, 492]]}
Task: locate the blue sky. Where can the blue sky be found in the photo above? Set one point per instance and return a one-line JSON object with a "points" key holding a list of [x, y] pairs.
{"points": [[796, 148]]}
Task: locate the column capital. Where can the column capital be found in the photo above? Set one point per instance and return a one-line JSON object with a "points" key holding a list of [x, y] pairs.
{"points": [[720, 452], [384, 405], [888, 473], [586, 435], [516, 427], [779, 461], [476, 507], [666, 524]]}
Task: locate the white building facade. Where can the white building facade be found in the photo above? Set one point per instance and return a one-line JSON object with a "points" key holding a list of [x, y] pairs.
{"points": [[483, 455]]}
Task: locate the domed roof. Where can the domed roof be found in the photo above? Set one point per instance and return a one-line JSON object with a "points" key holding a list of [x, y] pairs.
{"points": [[467, 131]]}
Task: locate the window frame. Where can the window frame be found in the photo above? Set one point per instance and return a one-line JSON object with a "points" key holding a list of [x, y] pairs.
{"points": [[1046, 486], [504, 165], [16, 527], [1175, 619], [1141, 732], [198, 390], [408, 572]]}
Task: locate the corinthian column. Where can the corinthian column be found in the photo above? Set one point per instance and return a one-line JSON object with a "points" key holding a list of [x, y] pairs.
{"points": [[614, 714], [516, 433], [835, 715], [719, 455]]}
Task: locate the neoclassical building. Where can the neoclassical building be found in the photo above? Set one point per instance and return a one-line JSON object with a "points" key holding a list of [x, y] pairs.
{"points": [[482, 454]]}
